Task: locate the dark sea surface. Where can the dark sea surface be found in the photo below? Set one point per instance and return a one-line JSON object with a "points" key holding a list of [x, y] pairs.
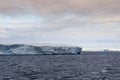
{"points": [[87, 66]]}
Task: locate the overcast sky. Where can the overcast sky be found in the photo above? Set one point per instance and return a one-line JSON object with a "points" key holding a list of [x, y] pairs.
{"points": [[85, 23]]}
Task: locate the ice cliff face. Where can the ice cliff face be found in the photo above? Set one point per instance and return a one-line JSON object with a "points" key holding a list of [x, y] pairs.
{"points": [[30, 49]]}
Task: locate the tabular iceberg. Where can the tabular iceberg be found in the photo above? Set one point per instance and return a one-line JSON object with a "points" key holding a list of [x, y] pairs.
{"points": [[31, 49]]}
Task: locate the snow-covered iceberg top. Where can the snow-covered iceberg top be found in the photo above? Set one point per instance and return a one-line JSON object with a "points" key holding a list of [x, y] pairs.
{"points": [[31, 49]]}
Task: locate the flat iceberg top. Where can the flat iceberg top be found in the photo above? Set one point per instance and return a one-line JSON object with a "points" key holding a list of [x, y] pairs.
{"points": [[32, 49]]}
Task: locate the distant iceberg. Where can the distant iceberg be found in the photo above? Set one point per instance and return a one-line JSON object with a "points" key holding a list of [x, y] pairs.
{"points": [[45, 50]]}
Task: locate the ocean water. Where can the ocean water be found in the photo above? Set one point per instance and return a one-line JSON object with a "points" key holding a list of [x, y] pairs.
{"points": [[87, 66]]}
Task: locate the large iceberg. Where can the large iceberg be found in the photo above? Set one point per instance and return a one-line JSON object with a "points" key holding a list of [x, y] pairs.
{"points": [[31, 49]]}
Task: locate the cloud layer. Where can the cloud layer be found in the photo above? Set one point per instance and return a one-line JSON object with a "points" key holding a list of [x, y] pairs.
{"points": [[54, 7], [79, 22]]}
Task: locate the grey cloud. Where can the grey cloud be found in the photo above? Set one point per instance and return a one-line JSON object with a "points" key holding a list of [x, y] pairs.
{"points": [[65, 31], [3, 33], [54, 7], [13, 7]]}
